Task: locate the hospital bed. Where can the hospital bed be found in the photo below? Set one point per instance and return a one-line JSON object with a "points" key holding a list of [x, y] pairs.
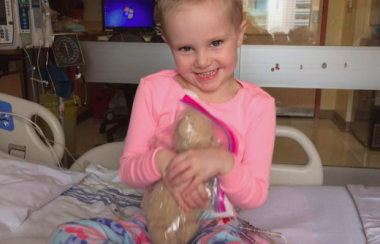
{"points": [[298, 205]]}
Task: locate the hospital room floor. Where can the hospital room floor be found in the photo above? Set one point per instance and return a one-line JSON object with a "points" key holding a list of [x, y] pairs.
{"points": [[336, 148]]}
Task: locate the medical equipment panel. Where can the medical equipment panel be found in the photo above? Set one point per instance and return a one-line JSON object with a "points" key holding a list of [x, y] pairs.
{"points": [[36, 21], [24, 18], [6, 22], [14, 24]]}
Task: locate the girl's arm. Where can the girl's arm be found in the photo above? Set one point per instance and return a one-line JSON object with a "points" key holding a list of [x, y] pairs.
{"points": [[137, 164], [247, 184]]}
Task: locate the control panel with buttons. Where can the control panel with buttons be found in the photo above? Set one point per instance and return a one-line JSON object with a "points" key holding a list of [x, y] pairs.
{"points": [[23, 8], [6, 22], [24, 25]]}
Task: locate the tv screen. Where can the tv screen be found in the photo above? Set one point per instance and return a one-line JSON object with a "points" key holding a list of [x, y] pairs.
{"points": [[128, 13]]}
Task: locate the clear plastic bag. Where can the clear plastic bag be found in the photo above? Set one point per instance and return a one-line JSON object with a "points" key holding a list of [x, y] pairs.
{"points": [[168, 223]]}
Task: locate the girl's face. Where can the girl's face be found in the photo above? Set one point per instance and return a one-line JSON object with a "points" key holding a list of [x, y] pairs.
{"points": [[204, 44]]}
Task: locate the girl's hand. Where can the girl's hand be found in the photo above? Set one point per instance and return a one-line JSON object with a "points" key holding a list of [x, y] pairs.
{"points": [[198, 166], [198, 198], [177, 194]]}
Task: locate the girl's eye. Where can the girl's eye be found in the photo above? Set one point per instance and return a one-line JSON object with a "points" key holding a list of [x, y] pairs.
{"points": [[185, 49], [216, 43]]}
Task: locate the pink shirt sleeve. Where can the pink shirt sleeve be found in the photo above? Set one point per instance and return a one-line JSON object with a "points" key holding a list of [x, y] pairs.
{"points": [[247, 184], [137, 166]]}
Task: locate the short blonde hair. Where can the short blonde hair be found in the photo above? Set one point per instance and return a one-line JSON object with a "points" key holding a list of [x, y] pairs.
{"points": [[235, 8]]}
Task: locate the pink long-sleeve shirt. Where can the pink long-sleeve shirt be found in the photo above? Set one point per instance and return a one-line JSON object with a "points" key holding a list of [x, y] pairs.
{"points": [[250, 115]]}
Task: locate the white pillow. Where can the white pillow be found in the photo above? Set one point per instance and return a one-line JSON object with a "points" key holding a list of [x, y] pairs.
{"points": [[25, 187]]}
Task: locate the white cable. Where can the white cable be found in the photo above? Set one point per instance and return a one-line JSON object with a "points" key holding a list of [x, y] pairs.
{"points": [[38, 129], [283, 237], [67, 150], [40, 81], [38, 67], [38, 62], [32, 76], [47, 70], [51, 79]]}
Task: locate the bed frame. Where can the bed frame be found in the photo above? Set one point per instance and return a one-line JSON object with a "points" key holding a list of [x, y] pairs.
{"points": [[23, 141]]}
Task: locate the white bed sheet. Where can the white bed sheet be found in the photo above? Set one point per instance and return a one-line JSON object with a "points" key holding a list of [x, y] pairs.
{"points": [[41, 223], [367, 201], [310, 215], [25, 187]]}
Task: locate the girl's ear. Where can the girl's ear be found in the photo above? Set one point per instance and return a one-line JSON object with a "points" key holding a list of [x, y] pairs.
{"points": [[241, 31]]}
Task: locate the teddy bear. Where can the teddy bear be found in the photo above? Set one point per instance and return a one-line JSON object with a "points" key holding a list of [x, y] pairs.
{"points": [[167, 222]]}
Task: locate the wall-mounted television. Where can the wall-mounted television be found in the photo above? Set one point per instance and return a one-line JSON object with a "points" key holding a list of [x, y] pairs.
{"points": [[128, 15]]}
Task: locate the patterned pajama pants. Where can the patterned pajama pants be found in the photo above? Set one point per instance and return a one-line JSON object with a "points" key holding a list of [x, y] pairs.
{"points": [[132, 231]]}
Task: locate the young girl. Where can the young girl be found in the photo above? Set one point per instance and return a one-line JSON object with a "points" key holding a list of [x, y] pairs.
{"points": [[204, 36]]}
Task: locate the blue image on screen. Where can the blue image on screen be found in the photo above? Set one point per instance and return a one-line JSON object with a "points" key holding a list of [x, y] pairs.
{"points": [[128, 13]]}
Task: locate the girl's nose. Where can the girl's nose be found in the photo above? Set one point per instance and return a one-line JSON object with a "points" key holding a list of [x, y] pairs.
{"points": [[203, 60]]}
